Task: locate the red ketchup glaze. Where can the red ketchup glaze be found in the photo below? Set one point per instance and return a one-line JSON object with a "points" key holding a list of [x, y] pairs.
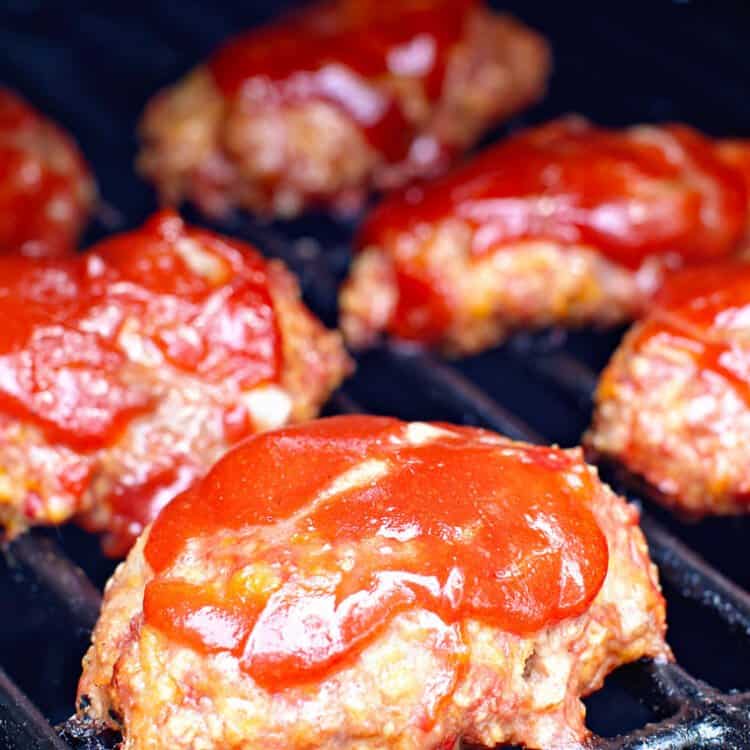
{"points": [[629, 194], [705, 312], [340, 52], [736, 153], [134, 504], [63, 351], [423, 309], [35, 175], [466, 526]]}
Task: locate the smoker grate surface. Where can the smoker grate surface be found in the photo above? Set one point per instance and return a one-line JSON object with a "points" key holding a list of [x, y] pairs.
{"points": [[92, 66]]}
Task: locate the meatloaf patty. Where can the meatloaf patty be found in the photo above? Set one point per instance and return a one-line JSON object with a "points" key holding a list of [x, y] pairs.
{"points": [[673, 405], [127, 371], [360, 582], [330, 102]]}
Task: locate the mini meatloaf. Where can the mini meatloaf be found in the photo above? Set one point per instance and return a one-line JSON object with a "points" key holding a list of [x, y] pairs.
{"points": [[46, 190], [335, 100], [564, 224], [361, 582], [126, 372], [673, 405]]}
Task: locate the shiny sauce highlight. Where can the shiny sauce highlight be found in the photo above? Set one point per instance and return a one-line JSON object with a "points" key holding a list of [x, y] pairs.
{"points": [[73, 329], [341, 52], [705, 312], [629, 194], [466, 525]]}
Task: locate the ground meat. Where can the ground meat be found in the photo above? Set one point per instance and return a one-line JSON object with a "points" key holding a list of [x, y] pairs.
{"points": [[305, 113], [564, 224], [427, 674], [46, 190], [673, 405], [127, 371]]}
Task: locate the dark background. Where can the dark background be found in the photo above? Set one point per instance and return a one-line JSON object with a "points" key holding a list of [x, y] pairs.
{"points": [[93, 65]]}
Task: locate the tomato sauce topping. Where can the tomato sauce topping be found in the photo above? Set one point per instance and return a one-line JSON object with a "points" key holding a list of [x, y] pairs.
{"points": [[656, 191], [340, 52], [46, 190], [705, 312], [350, 522], [72, 327]]}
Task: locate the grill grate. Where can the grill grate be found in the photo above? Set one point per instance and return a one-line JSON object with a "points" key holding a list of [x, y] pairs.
{"points": [[21, 723], [93, 67]]}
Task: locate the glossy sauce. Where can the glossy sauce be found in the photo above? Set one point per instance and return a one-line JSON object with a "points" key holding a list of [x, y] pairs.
{"points": [[45, 186], [340, 52], [467, 526], [736, 153], [134, 504], [71, 326], [630, 194], [705, 312]]}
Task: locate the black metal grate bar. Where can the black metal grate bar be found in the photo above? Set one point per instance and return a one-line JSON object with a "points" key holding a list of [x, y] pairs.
{"points": [[21, 724], [559, 368], [694, 578], [446, 384], [52, 570]]}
